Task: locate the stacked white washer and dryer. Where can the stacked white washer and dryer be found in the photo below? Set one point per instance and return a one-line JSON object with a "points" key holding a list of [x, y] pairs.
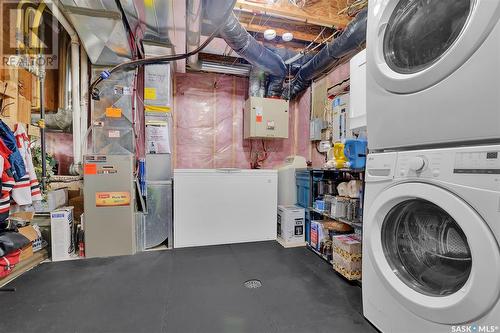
{"points": [[431, 255]]}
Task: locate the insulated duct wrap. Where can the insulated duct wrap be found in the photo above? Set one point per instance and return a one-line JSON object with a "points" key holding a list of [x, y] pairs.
{"points": [[257, 83], [275, 86], [353, 36], [62, 120], [251, 50]]}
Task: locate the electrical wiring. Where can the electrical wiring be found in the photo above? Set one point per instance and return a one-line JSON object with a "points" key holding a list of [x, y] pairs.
{"points": [[260, 156], [155, 60], [354, 8]]}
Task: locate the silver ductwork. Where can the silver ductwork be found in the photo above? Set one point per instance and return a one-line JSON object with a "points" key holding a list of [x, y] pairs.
{"points": [[101, 30], [214, 67], [193, 30], [257, 83], [62, 120]]}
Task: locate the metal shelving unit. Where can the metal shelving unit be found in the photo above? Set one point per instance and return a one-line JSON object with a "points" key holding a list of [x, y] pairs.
{"points": [[354, 224]]}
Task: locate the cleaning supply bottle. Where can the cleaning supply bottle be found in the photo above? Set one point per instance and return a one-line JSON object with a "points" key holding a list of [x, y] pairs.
{"points": [[338, 152]]}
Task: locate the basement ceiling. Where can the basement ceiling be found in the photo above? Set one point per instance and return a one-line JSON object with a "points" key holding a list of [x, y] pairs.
{"points": [[312, 23]]}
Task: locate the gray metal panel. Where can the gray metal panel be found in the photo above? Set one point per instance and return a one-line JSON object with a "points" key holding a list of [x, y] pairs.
{"points": [[110, 231], [159, 167], [158, 224]]}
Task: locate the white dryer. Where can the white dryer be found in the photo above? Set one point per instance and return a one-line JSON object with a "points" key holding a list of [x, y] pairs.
{"points": [[433, 72], [431, 256]]}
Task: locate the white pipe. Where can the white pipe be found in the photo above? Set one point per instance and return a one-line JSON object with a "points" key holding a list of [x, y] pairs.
{"points": [[75, 79], [75, 101], [84, 88]]}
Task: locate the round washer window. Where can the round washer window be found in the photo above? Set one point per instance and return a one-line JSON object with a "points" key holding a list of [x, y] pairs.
{"points": [[419, 32], [426, 248]]}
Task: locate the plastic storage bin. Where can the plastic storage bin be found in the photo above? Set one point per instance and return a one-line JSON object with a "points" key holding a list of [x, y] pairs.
{"points": [[303, 183]]}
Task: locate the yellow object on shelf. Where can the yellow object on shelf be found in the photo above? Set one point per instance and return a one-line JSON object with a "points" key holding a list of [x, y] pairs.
{"points": [[338, 153]]}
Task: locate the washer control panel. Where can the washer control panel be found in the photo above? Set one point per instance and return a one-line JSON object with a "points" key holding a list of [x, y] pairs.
{"points": [[420, 164], [477, 162], [476, 167]]}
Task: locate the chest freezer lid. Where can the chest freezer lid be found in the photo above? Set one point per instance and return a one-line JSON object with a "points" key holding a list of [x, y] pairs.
{"points": [[223, 171]]}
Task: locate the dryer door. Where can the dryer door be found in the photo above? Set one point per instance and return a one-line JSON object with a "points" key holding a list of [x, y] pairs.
{"points": [[435, 254], [418, 43]]}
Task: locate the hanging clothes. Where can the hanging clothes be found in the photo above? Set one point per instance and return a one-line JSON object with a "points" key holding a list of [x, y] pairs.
{"points": [[15, 158], [27, 189], [7, 186]]}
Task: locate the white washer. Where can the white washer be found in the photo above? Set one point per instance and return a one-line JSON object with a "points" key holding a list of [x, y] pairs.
{"points": [[431, 257], [433, 72]]}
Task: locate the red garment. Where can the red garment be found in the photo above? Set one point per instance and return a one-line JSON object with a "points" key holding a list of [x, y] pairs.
{"points": [[8, 262], [27, 189], [7, 186]]}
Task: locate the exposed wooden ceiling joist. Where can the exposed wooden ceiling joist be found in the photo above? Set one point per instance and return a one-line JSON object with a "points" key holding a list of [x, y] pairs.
{"points": [[301, 31], [279, 31], [318, 12]]}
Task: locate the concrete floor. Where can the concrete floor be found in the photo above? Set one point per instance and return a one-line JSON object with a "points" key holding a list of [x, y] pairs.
{"points": [[186, 290]]}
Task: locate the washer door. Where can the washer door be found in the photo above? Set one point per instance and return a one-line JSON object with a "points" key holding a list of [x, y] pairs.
{"points": [[421, 42], [435, 254]]}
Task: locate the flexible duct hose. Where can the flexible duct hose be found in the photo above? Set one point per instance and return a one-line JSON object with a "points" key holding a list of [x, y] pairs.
{"points": [[353, 36]]}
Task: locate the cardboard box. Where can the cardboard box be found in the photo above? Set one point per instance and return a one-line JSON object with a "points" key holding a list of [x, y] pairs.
{"points": [[25, 84], [61, 232], [291, 224], [55, 199], [33, 130], [30, 233], [8, 88], [350, 265], [23, 110], [318, 234], [347, 245], [22, 217]]}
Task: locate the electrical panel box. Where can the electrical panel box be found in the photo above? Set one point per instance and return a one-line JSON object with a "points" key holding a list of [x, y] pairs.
{"points": [[265, 118], [341, 128], [316, 125]]}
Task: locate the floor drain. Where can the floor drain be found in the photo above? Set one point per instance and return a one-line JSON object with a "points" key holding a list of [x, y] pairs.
{"points": [[252, 284]]}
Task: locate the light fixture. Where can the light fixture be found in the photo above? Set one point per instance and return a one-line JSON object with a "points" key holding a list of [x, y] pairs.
{"points": [[287, 37], [270, 34]]}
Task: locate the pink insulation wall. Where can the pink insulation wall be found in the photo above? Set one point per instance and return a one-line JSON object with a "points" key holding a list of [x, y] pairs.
{"points": [[60, 145], [338, 75], [208, 131], [208, 123]]}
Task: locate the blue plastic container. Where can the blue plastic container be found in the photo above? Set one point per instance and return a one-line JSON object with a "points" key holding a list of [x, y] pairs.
{"points": [[356, 150], [303, 183]]}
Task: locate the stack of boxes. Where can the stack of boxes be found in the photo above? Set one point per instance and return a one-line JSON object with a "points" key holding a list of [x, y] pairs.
{"points": [[347, 256]]}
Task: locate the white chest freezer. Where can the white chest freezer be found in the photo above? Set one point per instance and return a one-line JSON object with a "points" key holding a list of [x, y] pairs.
{"points": [[224, 206]]}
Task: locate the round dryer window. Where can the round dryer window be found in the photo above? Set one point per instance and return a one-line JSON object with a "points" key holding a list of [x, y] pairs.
{"points": [[419, 32], [426, 248]]}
